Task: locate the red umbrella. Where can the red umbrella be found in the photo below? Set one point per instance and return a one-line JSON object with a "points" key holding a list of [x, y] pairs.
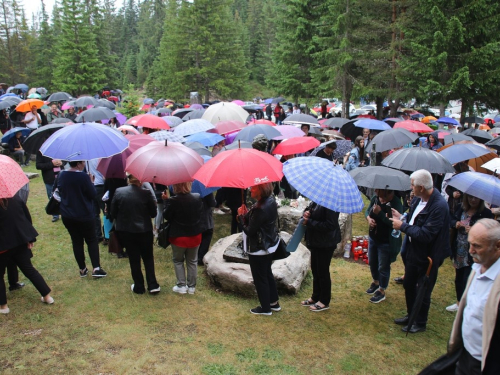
{"points": [[413, 126], [296, 145], [240, 168], [148, 121], [166, 163], [12, 177], [139, 140], [262, 122], [225, 127]]}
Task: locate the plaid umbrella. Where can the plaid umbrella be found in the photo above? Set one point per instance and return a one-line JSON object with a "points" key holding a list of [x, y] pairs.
{"points": [[169, 136], [343, 147], [193, 126], [328, 185], [479, 185]]}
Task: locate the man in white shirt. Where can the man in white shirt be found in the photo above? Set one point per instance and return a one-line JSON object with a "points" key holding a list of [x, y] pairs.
{"points": [[32, 119]]}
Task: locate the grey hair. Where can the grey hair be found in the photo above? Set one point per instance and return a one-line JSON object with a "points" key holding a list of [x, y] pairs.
{"points": [[492, 230], [423, 178]]}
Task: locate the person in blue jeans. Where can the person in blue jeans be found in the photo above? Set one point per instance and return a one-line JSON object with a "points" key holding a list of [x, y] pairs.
{"points": [[383, 247]]}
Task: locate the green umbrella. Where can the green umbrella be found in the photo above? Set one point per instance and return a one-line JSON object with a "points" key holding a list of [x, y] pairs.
{"points": [[34, 96]]}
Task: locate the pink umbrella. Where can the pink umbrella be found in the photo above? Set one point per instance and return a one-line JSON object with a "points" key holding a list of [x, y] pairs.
{"points": [[12, 177], [139, 139], [262, 122], [288, 131], [128, 129], [413, 126], [225, 127], [148, 121], [238, 102], [296, 145], [68, 105], [166, 163]]}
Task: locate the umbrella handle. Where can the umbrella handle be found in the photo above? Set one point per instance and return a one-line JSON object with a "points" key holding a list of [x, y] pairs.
{"points": [[429, 268]]}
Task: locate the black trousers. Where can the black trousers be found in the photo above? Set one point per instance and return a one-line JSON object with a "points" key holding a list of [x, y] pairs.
{"points": [[414, 276], [263, 278], [234, 223], [461, 277], [98, 207], [206, 238], [21, 257], [320, 267], [12, 273], [140, 246], [467, 364], [80, 231]]}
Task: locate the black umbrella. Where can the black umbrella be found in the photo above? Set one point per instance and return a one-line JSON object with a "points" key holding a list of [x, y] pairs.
{"points": [[59, 96], [62, 120], [95, 114], [301, 118], [84, 101], [381, 178], [278, 100], [456, 137], [199, 148], [165, 110], [350, 130], [494, 143], [422, 287], [415, 158], [335, 122], [479, 135], [106, 103], [393, 138], [182, 112], [473, 120], [35, 140], [196, 114]]}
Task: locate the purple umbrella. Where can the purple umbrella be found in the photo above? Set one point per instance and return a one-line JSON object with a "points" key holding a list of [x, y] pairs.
{"points": [[119, 117], [288, 131], [196, 106]]}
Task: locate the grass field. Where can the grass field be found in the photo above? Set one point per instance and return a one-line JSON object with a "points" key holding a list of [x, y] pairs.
{"points": [[101, 327]]}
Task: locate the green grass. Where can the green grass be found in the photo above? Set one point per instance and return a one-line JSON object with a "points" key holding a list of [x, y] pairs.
{"points": [[100, 327]]}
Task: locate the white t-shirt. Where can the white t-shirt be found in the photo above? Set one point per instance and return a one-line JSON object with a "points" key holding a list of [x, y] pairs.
{"points": [[418, 209], [33, 124]]}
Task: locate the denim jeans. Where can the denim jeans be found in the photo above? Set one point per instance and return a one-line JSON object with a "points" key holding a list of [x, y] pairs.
{"points": [[379, 257]]}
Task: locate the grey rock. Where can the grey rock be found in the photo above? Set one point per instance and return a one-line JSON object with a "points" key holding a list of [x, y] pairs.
{"points": [[31, 175]]}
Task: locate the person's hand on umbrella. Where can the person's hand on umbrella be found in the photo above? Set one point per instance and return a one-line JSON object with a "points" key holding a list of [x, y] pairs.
{"points": [[56, 162], [306, 216], [165, 195], [371, 222], [243, 210]]}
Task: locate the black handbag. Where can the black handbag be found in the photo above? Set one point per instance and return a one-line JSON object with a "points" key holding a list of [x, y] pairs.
{"points": [[164, 234], [281, 252], [52, 208]]}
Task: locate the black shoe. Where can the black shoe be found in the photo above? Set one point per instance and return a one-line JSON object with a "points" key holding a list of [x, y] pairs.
{"points": [[415, 328], [122, 255], [99, 272], [55, 218], [16, 286], [84, 272], [402, 321], [372, 289], [259, 311], [105, 242], [399, 280], [276, 307], [377, 297]]}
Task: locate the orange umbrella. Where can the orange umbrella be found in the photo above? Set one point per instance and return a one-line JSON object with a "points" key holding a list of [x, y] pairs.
{"points": [[25, 105], [428, 119], [476, 163]]}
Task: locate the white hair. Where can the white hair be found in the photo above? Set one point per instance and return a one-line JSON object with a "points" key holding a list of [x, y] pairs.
{"points": [[423, 178], [492, 230]]}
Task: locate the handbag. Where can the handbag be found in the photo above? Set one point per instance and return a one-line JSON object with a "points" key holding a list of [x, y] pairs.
{"points": [[281, 252], [164, 234], [52, 208], [114, 245]]}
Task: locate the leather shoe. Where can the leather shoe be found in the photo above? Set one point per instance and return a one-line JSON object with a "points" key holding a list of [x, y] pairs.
{"points": [[402, 321], [414, 328], [55, 218], [16, 286]]}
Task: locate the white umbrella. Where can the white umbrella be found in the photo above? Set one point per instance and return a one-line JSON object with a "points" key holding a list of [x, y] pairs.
{"points": [[225, 111]]}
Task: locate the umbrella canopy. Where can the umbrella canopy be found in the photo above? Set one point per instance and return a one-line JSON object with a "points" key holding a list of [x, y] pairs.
{"points": [[59, 97], [163, 135], [301, 118], [393, 138], [250, 132], [333, 133], [68, 105], [238, 102], [95, 114], [199, 148], [12, 177], [148, 101], [201, 189], [240, 168], [335, 122], [105, 103], [413, 126], [225, 111], [372, 124], [478, 135], [343, 147], [21, 86], [172, 121], [288, 131], [412, 159], [196, 106], [494, 143], [35, 95], [456, 137], [472, 120], [35, 140], [428, 119], [464, 151], [448, 120], [84, 141], [206, 139], [62, 120], [4, 104], [165, 110], [381, 178], [148, 121], [129, 129], [236, 145], [164, 163], [195, 114], [84, 101], [350, 130], [193, 127], [479, 185], [492, 165], [328, 185], [12, 132], [25, 105], [296, 145], [225, 127], [261, 122]]}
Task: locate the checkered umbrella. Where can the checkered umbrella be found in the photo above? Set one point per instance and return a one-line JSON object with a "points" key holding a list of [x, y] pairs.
{"points": [[479, 185], [328, 185], [169, 136]]}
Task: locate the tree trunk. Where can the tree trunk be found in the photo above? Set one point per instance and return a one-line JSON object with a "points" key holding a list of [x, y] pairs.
{"points": [[380, 106]]}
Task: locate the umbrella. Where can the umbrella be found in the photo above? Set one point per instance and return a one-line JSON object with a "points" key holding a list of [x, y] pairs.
{"points": [[475, 163], [494, 143], [333, 133], [296, 145], [456, 137], [301, 118], [148, 121], [59, 97], [34, 96], [236, 145], [350, 130], [417, 115], [84, 101], [460, 152], [343, 147], [494, 131], [196, 114], [393, 138], [148, 101], [139, 140], [199, 148], [240, 168], [238, 102], [261, 122], [288, 131], [250, 132], [412, 159], [12, 177], [4, 104], [163, 135], [12, 132], [25, 105], [448, 120], [478, 135], [372, 124], [472, 120], [172, 121], [197, 106], [165, 163], [128, 129], [62, 120], [206, 139], [277, 100], [105, 103], [165, 110], [492, 165], [95, 114], [423, 285], [413, 126], [68, 105], [35, 140], [21, 86], [11, 100], [181, 112], [328, 185], [225, 127], [335, 122], [381, 178], [193, 126], [225, 111], [479, 185], [201, 189], [428, 119], [84, 141]]}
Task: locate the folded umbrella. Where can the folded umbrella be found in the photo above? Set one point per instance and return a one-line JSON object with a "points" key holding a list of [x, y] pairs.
{"points": [[415, 158], [393, 138], [479, 185], [296, 145], [12, 177], [36, 139], [206, 139], [381, 178], [12, 132], [193, 126], [163, 135], [250, 132], [95, 114]]}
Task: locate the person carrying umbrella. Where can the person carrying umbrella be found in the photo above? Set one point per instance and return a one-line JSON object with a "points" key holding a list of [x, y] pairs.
{"points": [[16, 148], [32, 120], [432, 142], [427, 235], [50, 170], [71, 115]]}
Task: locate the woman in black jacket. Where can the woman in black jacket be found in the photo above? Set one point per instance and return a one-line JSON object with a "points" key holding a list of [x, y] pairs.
{"points": [[50, 169], [259, 224], [322, 237]]}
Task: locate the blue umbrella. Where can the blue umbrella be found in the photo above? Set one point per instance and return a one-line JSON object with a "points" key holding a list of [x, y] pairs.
{"points": [[172, 121], [148, 101], [250, 132], [465, 151], [22, 87], [447, 120], [84, 141], [12, 132], [479, 185], [417, 115], [7, 95], [372, 124], [328, 185], [206, 139], [198, 187]]}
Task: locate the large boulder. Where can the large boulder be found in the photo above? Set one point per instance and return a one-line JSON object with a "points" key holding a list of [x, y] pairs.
{"points": [[236, 277]]}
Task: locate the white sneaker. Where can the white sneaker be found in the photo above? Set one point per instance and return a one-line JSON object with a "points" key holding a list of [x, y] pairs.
{"points": [[5, 311], [191, 290], [218, 212], [50, 301], [180, 289], [452, 308]]}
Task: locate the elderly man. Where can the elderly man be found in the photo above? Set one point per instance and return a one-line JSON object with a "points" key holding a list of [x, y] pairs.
{"points": [[71, 115], [54, 113], [477, 324], [427, 235]]}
